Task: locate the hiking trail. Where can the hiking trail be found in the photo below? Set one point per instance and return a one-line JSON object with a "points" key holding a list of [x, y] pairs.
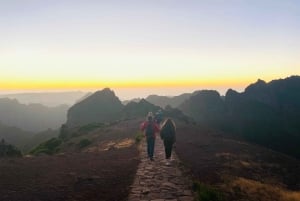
{"points": [[155, 181]]}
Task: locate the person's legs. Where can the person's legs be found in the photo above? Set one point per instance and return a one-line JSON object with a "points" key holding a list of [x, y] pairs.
{"points": [[148, 146], [168, 148], [152, 147], [150, 143]]}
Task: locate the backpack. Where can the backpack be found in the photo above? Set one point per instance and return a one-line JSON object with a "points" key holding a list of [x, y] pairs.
{"points": [[167, 134], [149, 131]]}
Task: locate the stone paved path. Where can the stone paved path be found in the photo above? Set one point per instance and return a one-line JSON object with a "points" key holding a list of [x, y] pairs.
{"points": [[155, 181]]}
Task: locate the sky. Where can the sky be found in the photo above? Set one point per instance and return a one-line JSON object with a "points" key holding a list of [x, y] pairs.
{"points": [[144, 47]]}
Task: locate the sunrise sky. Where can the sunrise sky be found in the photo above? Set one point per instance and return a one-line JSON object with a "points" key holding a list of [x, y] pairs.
{"points": [[154, 46]]}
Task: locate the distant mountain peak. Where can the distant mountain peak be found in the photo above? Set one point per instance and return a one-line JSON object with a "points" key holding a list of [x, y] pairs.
{"points": [[106, 90], [101, 106], [260, 81]]}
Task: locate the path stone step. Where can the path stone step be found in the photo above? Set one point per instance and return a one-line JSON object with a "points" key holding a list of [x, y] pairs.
{"points": [[155, 181]]}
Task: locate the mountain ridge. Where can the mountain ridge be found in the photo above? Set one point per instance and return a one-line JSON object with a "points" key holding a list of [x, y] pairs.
{"points": [[265, 113]]}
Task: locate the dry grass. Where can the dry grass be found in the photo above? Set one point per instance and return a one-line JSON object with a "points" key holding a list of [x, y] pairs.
{"points": [[260, 191], [107, 145]]}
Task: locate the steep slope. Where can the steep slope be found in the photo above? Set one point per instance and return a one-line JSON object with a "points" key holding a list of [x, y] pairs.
{"points": [[266, 113], [237, 169], [32, 117], [102, 106]]}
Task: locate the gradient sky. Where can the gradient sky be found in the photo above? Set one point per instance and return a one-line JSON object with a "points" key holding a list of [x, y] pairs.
{"points": [[162, 44]]}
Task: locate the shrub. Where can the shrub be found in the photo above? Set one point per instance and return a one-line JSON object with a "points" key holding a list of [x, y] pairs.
{"points": [[84, 143], [7, 150], [207, 193], [89, 127], [138, 137], [48, 147]]}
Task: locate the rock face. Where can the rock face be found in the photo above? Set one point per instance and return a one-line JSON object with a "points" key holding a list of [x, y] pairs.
{"points": [[266, 113], [102, 106]]}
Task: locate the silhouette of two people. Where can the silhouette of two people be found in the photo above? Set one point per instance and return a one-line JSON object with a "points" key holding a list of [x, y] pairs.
{"points": [[150, 127]]}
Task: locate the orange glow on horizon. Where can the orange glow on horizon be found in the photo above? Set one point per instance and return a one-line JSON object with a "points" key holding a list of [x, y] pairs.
{"points": [[80, 84]]}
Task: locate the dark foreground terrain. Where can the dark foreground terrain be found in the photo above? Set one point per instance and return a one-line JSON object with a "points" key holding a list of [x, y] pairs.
{"points": [[82, 176], [103, 170], [240, 171]]}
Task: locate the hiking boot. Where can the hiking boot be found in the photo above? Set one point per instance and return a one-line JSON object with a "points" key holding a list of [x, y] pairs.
{"points": [[168, 162]]}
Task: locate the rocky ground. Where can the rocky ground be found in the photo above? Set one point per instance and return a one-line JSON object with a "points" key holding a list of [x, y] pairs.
{"points": [[239, 170], [102, 171], [157, 181]]}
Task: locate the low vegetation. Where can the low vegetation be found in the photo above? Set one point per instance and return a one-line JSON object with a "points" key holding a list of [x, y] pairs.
{"points": [[7, 150], [84, 143], [255, 190], [207, 193], [138, 137], [48, 147], [90, 127]]}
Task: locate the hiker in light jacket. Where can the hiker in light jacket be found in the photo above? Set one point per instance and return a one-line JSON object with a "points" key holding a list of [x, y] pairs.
{"points": [[168, 135], [150, 129]]}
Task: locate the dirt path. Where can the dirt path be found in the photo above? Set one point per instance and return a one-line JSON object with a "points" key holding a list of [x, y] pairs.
{"points": [[155, 181]]}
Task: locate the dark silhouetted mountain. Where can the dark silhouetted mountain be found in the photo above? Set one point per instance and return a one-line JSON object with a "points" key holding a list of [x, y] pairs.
{"points": [[32, 117], [50, 99], [176, 113], [205, 106], [265, 113], [138, 109], [163, 101], [102, 106], [13, 135]]}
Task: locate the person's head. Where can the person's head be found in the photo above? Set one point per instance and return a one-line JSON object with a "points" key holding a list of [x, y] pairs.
{"points": [[150, 116]]}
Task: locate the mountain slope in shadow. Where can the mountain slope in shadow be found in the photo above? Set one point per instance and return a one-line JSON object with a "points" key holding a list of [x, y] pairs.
{"points": [[266, 113]]}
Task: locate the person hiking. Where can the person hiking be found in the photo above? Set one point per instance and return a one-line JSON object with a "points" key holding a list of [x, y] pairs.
{"points": [[150, 128], [158, 117], [168, 135]]}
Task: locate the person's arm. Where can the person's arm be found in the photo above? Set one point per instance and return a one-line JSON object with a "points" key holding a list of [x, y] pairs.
{"points": [[143, 126], [156, 128]]}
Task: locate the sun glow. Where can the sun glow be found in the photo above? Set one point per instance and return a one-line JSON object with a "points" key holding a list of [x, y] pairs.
{"points": [[69, 45]]}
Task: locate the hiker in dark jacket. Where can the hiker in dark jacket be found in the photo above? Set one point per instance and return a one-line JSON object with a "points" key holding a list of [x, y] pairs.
{"points": [[150, 129], [168, 135]]}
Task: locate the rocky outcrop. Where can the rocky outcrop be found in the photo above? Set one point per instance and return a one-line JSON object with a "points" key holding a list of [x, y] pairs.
{"points": [[102, 106]]}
